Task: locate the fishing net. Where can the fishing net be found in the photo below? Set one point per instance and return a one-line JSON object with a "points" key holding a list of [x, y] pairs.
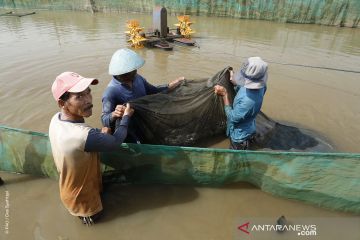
{"points": [[192, 114]]}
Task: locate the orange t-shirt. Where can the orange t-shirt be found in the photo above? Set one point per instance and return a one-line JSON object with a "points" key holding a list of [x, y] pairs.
{"points": [[80, 174]]}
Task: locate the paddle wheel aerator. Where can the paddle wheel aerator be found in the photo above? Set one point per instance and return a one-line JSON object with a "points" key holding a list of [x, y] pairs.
{"points": [[160, 35], [135, 38], [184, 26]]}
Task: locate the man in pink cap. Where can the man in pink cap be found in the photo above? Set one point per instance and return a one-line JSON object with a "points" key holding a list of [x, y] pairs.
{"points": [[75, 145]]}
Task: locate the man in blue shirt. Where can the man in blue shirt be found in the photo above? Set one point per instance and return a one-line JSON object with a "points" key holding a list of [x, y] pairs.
{"points": [[125, 86], [250, 89]]}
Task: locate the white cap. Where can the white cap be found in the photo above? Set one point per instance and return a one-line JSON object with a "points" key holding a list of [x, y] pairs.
{"points": [[124, 61]]}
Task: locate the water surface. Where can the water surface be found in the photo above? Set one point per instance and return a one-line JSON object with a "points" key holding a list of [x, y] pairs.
{"points": [[36, 48]]}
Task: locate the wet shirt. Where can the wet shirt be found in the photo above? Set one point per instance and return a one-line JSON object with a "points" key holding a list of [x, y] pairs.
{"points": [[241, 116], [118, 93], [75, 147]]}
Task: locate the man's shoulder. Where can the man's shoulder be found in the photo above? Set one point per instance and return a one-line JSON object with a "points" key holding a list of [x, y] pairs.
{"points": [[55, 116], [68, 133], [244, 98], [54, 120], [140, 78], [111, 90], [68, 127]]}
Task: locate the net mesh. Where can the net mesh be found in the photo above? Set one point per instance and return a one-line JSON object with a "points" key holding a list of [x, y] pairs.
{"points": [[192, 113], [329, 180]]}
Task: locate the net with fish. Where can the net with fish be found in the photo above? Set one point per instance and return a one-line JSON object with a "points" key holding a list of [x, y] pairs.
{"points": [[192, 113]]}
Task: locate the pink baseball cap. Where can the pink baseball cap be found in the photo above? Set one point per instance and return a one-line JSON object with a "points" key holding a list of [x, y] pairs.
{"points": [[70, 82]]}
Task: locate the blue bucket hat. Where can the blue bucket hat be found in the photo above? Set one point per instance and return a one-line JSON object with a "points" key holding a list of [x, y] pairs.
{"points": [[253, 74]]}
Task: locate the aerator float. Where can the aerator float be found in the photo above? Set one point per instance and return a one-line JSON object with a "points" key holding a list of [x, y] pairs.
{"points": [[160, 35]]}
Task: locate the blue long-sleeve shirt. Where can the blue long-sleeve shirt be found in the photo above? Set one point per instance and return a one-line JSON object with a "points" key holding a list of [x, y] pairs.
{"points": [[118, 93], [102, 142], [241, 117]]}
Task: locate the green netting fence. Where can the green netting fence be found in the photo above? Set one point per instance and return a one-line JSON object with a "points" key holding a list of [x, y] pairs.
{"points": [[327, 12], [329, 180]]}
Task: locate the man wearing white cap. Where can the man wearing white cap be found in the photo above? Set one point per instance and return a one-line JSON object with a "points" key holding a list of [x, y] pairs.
{"points": [[250, 89], [75, 145], [125, 86]]}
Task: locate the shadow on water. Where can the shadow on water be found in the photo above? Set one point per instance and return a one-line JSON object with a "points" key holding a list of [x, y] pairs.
{"points": [[239, 185], [19, 179], [147, 167], [120, 201]]}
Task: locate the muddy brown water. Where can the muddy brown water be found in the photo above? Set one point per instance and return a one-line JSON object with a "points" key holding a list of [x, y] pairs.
{"points": [[34, 49]]}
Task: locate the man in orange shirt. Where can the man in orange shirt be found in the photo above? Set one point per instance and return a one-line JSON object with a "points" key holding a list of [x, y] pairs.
{"points": [[75, 145]]}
